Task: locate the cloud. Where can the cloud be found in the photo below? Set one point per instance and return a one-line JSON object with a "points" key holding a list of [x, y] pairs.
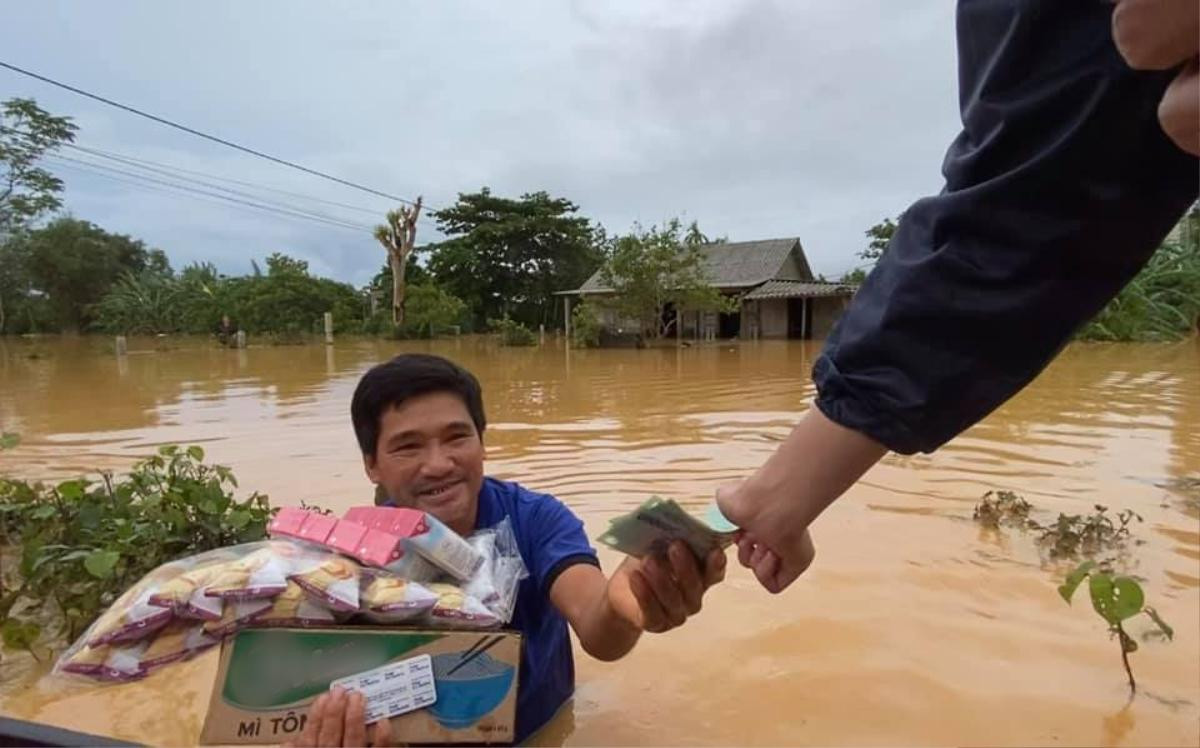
{"points": [[756, 118]]}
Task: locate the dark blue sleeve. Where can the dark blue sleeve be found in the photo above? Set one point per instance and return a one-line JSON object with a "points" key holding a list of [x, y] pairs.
{"points": [[559, 542], [1057, 191]]}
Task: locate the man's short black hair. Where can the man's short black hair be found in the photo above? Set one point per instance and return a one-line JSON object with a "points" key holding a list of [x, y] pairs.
{"points": [[407, 376]]}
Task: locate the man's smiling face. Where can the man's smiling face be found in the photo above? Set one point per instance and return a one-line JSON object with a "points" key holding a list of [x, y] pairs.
{"points": [[430, 457]]}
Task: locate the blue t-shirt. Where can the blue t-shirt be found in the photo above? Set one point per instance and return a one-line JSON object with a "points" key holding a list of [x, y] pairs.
{"points": [[551, 539]]}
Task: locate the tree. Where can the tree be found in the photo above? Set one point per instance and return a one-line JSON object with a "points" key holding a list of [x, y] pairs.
{"points": [[398, 237], [649, 270], [506, 258], [857, 275], [28, 191], [382, 287], [22, 308], [74, 263], [287, 299], [880, 236], [431, 309]]}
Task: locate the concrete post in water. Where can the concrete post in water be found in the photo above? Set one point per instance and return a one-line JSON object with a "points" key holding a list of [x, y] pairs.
{"points": [[328, 328], [121, 345], [567, 319], [542, 334], [240, 339]]}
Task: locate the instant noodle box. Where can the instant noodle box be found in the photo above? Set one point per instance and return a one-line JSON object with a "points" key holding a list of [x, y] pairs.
{"points": [[269, 677]]}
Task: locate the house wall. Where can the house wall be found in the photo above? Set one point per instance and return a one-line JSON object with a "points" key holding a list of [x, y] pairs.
{"points": [[825, 312], [773, 318]]}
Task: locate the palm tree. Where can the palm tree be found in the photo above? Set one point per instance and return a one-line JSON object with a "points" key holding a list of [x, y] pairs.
{"points": [[398, 237]]}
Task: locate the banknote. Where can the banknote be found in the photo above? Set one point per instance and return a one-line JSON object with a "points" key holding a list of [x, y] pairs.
{"points": [[651, 527]]}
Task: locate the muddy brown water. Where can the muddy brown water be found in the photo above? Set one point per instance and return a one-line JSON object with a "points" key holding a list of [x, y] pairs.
{"points": [[914, 626]]}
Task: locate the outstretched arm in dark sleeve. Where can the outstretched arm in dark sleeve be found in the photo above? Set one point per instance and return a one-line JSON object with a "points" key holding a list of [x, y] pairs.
{"points": [[1058, 189]]}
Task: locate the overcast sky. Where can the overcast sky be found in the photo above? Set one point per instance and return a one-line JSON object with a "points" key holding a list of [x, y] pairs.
{"points": [[758, 119]]}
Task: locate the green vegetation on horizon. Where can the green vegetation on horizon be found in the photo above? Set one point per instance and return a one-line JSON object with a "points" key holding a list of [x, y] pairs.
{"points": [[502, 259]]}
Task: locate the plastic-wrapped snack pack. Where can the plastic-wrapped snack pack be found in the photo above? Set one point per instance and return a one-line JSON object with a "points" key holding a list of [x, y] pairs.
{"points": [[294, 607], [238, 615], [178, 641], [263, 573], [498, 578], [456, 609], [389, 599], [187, 606], [129, 623], [333, 581]]}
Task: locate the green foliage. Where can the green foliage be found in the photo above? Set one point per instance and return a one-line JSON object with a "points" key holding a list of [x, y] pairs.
{"points": [[1069, 536], [9, 440], [651, 269], [880, 236], [79, 544], [506, 258], [857, 275], [1161, 303], [1002, 508], [147, 303], [285, 305], [69, 265], [585, 326], [513, 333], [429, 310], [27, 191], [1074, 535], [1116, 599]]}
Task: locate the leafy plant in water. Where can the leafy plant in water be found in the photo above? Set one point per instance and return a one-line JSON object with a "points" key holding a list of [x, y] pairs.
{"points": [[1073, 535], [1002, 508], [72, 548], [1116, 599], [9, 440]]}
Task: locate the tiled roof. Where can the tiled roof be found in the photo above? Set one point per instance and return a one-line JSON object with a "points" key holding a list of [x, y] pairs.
{"points": [[732, 264], [782, 289]]}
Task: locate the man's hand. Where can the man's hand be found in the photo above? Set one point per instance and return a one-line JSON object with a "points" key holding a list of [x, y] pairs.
{"points": [[659, 593], [338, 718], [1160, 35]]}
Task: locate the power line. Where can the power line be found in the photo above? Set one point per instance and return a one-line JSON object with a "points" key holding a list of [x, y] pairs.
{"points": [[167, 169], [168, 173], [162, 168], [180, 190], [206, 136]]}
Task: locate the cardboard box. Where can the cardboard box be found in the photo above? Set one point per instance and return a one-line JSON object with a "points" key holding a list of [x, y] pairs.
{"points": [[268, 678]]}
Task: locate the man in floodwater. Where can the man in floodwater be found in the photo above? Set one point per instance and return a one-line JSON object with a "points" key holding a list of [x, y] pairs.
{"points": [[419, 420]]}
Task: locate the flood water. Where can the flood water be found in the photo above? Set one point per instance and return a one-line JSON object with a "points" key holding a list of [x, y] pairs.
{"points": [[913, 627]]}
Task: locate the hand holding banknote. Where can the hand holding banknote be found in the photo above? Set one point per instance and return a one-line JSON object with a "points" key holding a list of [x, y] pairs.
{"points": [[673, 559]]}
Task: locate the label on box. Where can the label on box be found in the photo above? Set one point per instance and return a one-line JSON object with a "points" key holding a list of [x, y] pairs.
{"points": [[395, 688]]}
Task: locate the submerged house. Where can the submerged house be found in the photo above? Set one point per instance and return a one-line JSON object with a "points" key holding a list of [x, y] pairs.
{"points": [[778, 296]]}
